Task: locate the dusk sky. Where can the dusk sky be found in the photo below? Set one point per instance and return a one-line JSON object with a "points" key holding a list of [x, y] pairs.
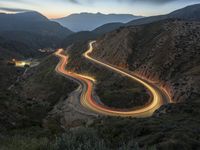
{"points": [[60, 8]]}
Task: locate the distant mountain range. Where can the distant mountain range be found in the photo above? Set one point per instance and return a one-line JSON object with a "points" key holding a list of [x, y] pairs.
{"points": [[189, 13], [90, 21]]}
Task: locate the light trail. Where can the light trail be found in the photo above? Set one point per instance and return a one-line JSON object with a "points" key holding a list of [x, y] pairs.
{"points": [[88, 101]]}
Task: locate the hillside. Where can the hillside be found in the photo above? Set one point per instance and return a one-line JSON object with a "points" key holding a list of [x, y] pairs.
{"points": [[89, 21], [166, 52], [33, 95], [12, 49]]}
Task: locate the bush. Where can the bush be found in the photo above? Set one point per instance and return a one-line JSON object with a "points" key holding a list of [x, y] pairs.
{"points": [[81, 140], [25, 143]]}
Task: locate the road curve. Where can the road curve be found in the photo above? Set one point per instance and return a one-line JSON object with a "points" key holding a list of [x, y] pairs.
{"points": [[88, 101]]}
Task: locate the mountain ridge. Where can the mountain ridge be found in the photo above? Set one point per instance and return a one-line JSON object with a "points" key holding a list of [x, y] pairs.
{"points": [[182, 13], [187, 13], [90, 21]]}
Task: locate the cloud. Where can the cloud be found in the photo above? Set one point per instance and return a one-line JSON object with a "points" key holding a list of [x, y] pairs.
{"points": [[13, 9], [30, 2], [152, 1], [22, 1], [74, 1], [126, 1]]}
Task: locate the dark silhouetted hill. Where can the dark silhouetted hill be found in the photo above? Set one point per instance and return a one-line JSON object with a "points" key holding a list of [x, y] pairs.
{"points": [[32, 30]]}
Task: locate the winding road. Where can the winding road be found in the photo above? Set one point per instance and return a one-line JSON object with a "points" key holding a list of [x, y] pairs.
{"points": [[87, 98]]}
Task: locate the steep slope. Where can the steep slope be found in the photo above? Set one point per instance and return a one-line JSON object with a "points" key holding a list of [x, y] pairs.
{"points": [[166, 52], [89, 21], [190, 13]]}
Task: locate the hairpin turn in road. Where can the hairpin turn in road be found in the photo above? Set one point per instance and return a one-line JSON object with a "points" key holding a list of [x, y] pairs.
{"points": [[159, 97]]}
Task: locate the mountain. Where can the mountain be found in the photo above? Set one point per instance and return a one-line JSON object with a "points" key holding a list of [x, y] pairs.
{"points": [[89, 21], [191, 13], [32, 30], [31, 22], [188, 13]]}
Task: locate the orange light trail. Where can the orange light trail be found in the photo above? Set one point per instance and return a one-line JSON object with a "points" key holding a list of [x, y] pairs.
{"points": [[88, 101]]}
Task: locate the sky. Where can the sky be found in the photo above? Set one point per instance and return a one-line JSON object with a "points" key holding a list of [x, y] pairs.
{"points": [[61, 8]]}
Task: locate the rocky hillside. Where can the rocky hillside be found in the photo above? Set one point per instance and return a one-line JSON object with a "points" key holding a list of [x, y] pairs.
{"points": [[166, 51]]}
